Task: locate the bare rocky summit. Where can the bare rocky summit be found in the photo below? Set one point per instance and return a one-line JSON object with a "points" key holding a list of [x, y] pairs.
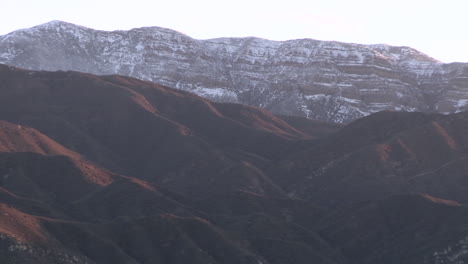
{"points": [[323, 80]]}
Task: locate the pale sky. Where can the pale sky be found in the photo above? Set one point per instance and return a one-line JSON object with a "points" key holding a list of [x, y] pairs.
{"points": [[435, 27]]}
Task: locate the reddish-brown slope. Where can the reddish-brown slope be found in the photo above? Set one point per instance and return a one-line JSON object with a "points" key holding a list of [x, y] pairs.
{"points": [[17, 138], [34, 166], [144, 130], [20, 226], [259, 119]]}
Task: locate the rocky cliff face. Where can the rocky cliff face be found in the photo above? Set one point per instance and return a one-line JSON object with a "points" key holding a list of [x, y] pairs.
{"points": [[329, 81]]}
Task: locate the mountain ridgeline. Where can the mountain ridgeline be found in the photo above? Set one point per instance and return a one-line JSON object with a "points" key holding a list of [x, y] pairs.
{"points": [[321, 80], [113, 169]]}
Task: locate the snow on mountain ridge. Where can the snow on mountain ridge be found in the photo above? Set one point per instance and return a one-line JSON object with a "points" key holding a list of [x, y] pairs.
{"points": [[277, 75]]}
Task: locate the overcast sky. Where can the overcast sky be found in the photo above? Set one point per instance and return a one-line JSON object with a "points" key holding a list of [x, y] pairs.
{"points": [[435, 27]]}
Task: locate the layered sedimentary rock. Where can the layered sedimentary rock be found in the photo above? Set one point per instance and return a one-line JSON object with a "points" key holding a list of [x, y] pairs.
{"points": [[323, 80]]}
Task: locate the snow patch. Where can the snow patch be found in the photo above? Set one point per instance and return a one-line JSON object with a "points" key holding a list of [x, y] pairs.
{"points": [[462, 103], [316, 97], [139, 47], [215, 93], [455, 253]]}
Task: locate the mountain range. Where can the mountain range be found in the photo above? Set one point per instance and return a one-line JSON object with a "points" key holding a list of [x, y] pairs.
{"points": [[321, 80], [113, 169]]}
